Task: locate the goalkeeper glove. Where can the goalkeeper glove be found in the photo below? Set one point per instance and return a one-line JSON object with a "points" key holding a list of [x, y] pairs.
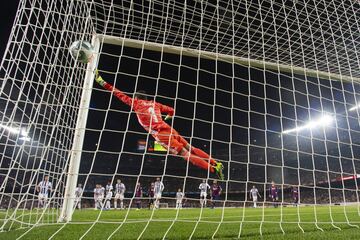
{"points": [[99, 79], [168, 117]]}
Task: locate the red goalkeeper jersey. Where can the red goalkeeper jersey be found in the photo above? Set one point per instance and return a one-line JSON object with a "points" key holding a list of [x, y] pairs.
{"points": [[148, 112]]}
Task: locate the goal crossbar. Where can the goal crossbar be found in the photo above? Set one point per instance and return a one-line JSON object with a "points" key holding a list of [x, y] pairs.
{"points": [[260, 64]]}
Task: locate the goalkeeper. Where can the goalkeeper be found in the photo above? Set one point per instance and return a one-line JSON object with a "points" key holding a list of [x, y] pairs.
{"points": [[149, 116]]}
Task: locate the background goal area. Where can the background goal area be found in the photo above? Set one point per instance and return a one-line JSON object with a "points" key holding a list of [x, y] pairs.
{"points": [[268, 88]]}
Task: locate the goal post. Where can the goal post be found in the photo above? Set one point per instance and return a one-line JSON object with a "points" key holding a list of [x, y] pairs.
{"points": [[77, 147]]}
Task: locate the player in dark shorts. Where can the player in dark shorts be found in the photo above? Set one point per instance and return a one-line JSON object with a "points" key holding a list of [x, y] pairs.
{"points": [[215, 190], [151, 195], [138, 195], [295, 195], [274, 194]]}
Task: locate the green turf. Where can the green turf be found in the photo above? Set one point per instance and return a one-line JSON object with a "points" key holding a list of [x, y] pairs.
{"points": [[194, 223]]}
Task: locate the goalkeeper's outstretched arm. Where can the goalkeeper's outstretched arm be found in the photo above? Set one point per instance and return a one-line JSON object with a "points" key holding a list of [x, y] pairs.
{"points": [[119, 94]]}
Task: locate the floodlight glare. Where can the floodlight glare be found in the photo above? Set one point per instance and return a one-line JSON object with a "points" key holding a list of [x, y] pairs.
{"points": [[23, 133], [355, 107], [10, 129], [324, 121], [25, 139]]}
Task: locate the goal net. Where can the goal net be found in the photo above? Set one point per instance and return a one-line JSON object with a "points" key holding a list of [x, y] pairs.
{"points": [[267, 88]]}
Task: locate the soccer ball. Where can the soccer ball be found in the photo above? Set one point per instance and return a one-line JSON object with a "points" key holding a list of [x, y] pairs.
{"points": [[81, 51]]}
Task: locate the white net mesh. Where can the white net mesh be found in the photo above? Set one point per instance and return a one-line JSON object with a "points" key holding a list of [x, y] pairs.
{"points": [[248, 80]]}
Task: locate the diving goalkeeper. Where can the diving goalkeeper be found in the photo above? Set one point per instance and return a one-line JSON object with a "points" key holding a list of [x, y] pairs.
{"points": [[149, 116]]}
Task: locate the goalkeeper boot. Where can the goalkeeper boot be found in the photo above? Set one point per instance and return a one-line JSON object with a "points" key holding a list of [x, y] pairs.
{"points": [[219, 170]]}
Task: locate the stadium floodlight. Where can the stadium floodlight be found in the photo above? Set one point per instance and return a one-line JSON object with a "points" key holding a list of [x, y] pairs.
{"points": [[19, 131], [10, 129], [354, 108], [324, 121], [25, 139]]}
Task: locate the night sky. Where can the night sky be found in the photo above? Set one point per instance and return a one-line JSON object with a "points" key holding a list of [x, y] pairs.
{"points": [[6, 22]]}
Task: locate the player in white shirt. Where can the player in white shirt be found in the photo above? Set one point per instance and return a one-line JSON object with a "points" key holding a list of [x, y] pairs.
{"points": [[179, 198], [44, 188], [96, 196], [78, 195], [109, 194], [158, 188], [119, 194], [99, 196], [203, 192], [254, 193]]}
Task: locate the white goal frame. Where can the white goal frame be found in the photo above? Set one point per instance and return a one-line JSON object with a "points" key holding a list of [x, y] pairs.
{"points": [[75, 156], [99, 39]]}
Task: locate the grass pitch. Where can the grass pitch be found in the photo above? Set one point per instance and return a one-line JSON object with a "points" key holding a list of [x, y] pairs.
{"points": [[227, 223]]}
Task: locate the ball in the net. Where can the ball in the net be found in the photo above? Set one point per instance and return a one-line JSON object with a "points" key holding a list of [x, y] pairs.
{"points": [[81, 51]]}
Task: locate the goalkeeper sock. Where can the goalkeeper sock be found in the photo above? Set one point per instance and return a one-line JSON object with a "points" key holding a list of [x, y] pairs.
{"points": [[202, 154]]}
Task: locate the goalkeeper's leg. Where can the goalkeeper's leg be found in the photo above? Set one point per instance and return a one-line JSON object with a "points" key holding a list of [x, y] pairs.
{"points": [[170, 139], [202, 154], [196, 151]]}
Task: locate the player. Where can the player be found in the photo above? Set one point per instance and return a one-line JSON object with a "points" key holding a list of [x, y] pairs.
{"points": [[149, 116], [215, 191], [99, 196], [102, 195], [158, 188], [295, 195], [109, 188], [203, 192], [96, 197], [151, 195], [179, 198], [274, 194], [119, 194], [78, 195], [44, 188], [254, 194], [138, 195]]}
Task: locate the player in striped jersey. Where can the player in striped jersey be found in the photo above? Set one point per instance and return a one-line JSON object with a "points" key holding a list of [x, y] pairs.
{"points": [[44, 188], [179, 198], [158, 188], [78, 195], [295, 195], [119, 194], [215, 191], [138, 195], [203, 192], [109, 187], [98, 196], [274, 194], [254, 194], [151, 195]]}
